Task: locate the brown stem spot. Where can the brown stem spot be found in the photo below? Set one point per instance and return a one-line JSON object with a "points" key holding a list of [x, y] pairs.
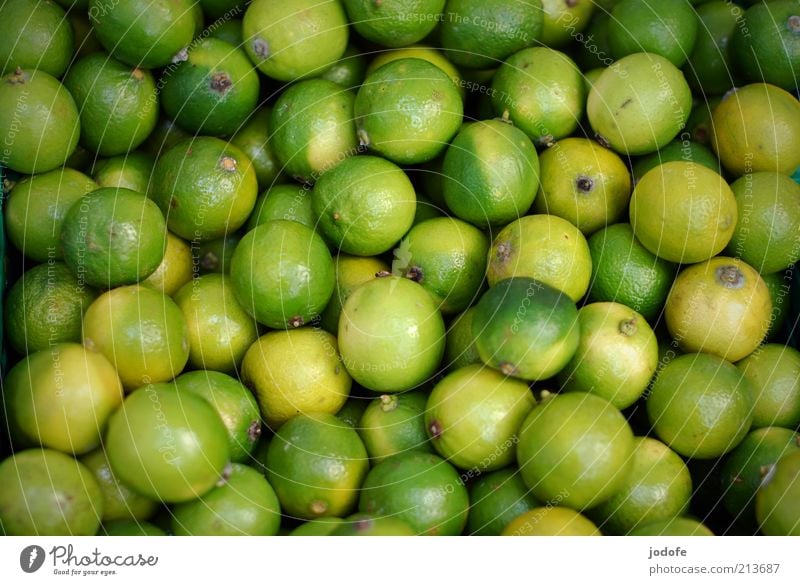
{"points": [[336, 216], [228, 164], [546, 141], [628, 326], [137, 74], [296, 321], [382, 274], [261, 48], [730, 276], [508, 369], [210, 262], [17, 77], [388, 402], [221, 82], [435, 429], [318, 507], [584, 184], [602, 140], [503, 251], [414, 273], [181, 56], [793, 23], [254, 430]]}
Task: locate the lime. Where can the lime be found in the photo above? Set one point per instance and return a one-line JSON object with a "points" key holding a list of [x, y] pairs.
{"points": [[45, 306], [212, 88], [542, 92], [683, 212], [639, 104], [118, 104], [294, 372], [420, 489], [699, 125], [681, 149], [349, 71], [141, 331], [130, 528], [290, 202], [214, 256], [673, 527], [710, 68], [460, 347], [473, 415], [316, 463], [407, 111], [584, 183], [624, 271], [167, 445], [544, 247], [113, 237], [490, 173], [564, 20], [774, 372], [290, 40], [351, 272], [551, 521], [243, 504], [391, 335], [776, 499], [779, 285], [352, 411], [205, 187], [233, 402], [575, 450], [495, 500], [721, 307], [253, 139], [617, 354], [42, 37], [364, 205], [320, 527], [283, 274], [368, 525], [129, 171], [39, 122], [658, 487], [395, 23], [424, 52], [176, 268], [119, 501], [700, 405], [393, 424], [47, 493]]}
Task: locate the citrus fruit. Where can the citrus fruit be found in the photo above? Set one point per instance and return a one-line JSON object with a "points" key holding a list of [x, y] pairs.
{"points": [[220, 330], [700, 405], [391, 335], [233, 402], [776, 499], [141, 331], [313, 128], [42, 37], [130, 528], [584, 183], [639, 104], [757, 128], [369, 525], [119, 501], [252, 138], [143, 34], [551, 521], [353, 409], [48, 493], [167, 445], [766, 45], [39, 122], [113, 237], [244, 504], [283, 274], [118, 104], [35, 209], [349, 71], [62, 397], [351, 272], [45, 306], [497, 498], [364, 205], [473, 415], [447, 257], [564, 20], [626, 272], [424, 52], [479, 35], [131, 170], [293, 372], [420, 489], [779, 285], [658, 487], [395, 23], [710, 68], [774, 372], [667, 28], [744, 468], [291, 40], [721, 306], [545, 247], [542, 92], [769, 221], [575, 450], [283, 201], [673, 527], [316, 463], [212, 89], [407, 111], [683, 212], [490, 173], [393, 424], [617, 354], [205, 187], [699, 125], [460, 347], [176, 268], [320, 527], [680, 149]]}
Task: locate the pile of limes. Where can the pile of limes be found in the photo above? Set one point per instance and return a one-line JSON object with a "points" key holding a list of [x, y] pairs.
{"points": [[397, 267]]}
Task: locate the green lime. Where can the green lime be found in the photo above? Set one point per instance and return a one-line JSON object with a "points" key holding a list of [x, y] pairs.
{"points": [[229, 31], [113, 237], [673, 527], [130, 528], [349, 71], [395, 23], [47, 493], [316, 463], [495, 500], [700, 405], [176, 268], [253, 139], [369, 525], [320, 527], [129, 171], [283, 274], [351, 272], [420, 489], [624, 271], [393, 424], [681, 149], [710, 69], [434, 56], [774, 372], [212, 89], [119, 501], [564, 20], [777, 511], [39, 122], [407, 111], [473, 415], [42, 37], [490, 173], [460, 347], [551, 521]]}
